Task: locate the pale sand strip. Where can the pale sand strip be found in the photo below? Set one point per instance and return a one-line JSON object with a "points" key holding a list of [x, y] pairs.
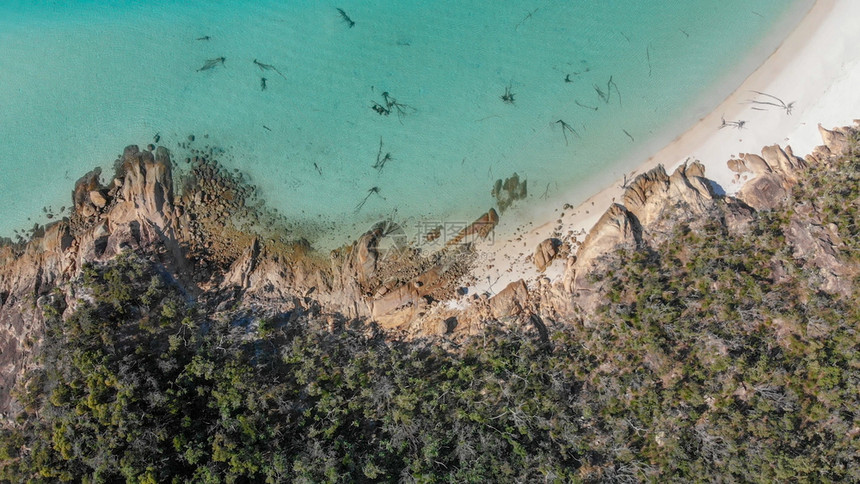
{"points": [[817, 67]]}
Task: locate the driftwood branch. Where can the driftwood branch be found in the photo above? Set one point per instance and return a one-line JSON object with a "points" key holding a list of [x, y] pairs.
{"points": [[648, 58], [528, 16], [565, 128], [733, 124], [606, 96], [363, 201], [774, 102], [586, 106], [508, 96], [346, 18], [381, 159]]}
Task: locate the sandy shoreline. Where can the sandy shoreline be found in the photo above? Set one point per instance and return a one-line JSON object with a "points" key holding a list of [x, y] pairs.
{"points": [[815, 68]]}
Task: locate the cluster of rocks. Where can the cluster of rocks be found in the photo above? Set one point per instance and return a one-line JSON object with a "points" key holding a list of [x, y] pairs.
{"points": [[218, 215], [655, 202], [509, 191], [651, 206], [401, 289]]}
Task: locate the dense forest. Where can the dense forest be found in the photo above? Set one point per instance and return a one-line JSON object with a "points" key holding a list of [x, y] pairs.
{"points": [[716, 357]]}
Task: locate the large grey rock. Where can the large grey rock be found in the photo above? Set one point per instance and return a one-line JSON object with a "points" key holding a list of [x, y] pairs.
{"points": [[755, 163], [545, 253], [777, 171], [98, 199], [648, 194], [511, 301], [837, 141], [737, 166]]}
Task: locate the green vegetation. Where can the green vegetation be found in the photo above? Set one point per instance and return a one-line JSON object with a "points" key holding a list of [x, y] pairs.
{"points": [[716, 357]]}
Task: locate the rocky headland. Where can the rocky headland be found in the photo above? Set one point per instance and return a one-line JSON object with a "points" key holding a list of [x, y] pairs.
{"points": [[209, 235]]}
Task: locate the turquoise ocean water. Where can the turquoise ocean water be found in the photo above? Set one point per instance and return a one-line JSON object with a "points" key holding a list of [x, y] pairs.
{"points": [[80, 80]]}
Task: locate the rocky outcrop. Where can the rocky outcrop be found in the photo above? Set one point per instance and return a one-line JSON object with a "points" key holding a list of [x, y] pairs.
{"points": [[645, 200], [241, 270], [655, 202], [97, 198], [375, 279], [837, 141], [82, 197], [27, 277], [146, 187], [478, 229], [511, 301], [783, 160], [361, 262], [755, 163], [647, 196], [616, 227], [819, 246], [764, 192], [776, 171], [136, 212], [545, 253], [738, 166], [407, 301]]}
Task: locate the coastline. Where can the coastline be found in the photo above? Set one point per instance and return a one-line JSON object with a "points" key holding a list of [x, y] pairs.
{"points": [[813, 67], [815, 51], [333, 125]]}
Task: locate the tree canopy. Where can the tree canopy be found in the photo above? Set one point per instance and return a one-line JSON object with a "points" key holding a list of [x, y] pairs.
{"points": [[702, 365]]}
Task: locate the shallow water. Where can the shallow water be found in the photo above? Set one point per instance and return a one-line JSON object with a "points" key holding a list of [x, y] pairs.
{"points": [[79, 82]]}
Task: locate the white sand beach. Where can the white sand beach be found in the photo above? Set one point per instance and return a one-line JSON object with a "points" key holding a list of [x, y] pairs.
{"points": [[815, 71]]}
